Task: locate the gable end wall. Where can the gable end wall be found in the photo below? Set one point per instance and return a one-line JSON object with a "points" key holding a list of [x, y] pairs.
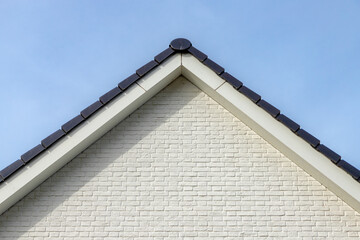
{"points": [[180, 167]]}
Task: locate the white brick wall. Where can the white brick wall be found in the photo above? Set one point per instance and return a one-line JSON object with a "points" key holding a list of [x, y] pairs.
{"points": [[180, 167]]}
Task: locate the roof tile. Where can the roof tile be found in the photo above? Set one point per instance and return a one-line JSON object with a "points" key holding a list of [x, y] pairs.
{"points": [[232, 80], [32, 153], [164, 55], [48, 141], [87, 112], [293, 126], [353, 171], [128, 81], [12, 168], [333, 156], [146, 68], [107, 97], [198, 54], [253, 96], [273, 111], [70, 125], [214, 66], [313, 141], [180, 44]]}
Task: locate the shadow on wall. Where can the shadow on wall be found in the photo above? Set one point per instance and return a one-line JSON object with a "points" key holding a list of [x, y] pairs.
{"points": [[54, 206]]}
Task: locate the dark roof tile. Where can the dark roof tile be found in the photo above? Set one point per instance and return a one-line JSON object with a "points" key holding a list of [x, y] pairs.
{"points": [[350, 169], [164, 55], [232, 80], [87, 112], [128, 81], [273, 111], [293, 126], [333, 156], [180, 44], [253, 96], [107, 97], [70, 125], [32, 153], [214, 66], [146, 68], [313, 141], [48, 141], [198, 54], [12, 168]]}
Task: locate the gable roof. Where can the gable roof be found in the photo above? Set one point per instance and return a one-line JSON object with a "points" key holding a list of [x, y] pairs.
{"points": [[183, 48]]}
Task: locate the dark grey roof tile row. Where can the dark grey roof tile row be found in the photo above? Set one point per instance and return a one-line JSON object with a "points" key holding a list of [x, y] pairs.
{"points": [[178, 45], [84, 114], [274, 112]]}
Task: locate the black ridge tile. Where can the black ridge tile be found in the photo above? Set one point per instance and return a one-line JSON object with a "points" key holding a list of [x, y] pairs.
{"points": [[146, 68], [273, 111], [128, 81], [333, 156], [313, 141], [293, 126], [164, 55], [87, 112], [6, 172], [70, 125], [198, 54], [107, 97], [32, 153], [253, 96], [214, 66], [48, 141], [232, 80], [350, 169]]}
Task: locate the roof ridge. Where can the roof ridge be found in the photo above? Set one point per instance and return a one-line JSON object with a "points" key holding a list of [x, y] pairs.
{"points": [[179, 45]]}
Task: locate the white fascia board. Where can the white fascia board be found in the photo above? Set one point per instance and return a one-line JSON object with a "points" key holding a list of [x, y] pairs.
{"points": [[49, 162], [277, 134]]}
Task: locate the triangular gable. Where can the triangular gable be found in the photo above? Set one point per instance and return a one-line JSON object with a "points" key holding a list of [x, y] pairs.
{"points": [[181, 58]]}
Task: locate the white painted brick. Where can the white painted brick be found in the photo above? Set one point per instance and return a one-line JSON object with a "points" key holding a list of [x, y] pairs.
{"points": [[180, 167]]}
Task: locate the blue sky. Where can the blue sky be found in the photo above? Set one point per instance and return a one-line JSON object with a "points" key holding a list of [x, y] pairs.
{"points": [[57, 57]]}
